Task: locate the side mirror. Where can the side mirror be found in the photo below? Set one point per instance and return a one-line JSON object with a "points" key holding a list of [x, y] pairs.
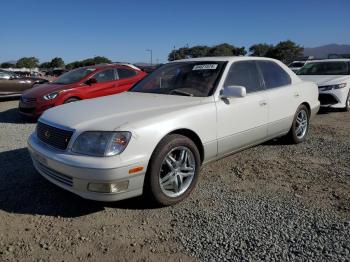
{"points": [[233, 91], [91, 81]]}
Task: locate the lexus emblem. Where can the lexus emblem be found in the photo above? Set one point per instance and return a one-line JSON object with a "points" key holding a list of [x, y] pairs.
{"points": [[47, 134]]}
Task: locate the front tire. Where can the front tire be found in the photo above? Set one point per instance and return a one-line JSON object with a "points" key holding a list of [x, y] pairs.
{"points": [[173, 170], [300, 126]]}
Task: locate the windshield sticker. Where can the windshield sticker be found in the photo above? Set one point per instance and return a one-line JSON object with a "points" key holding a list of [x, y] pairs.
{"points": [[205, 67]]}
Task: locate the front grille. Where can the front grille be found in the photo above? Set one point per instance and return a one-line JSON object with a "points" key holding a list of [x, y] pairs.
{"points": [[28, 99], [327, 99], [53, 136], [63, 179]]}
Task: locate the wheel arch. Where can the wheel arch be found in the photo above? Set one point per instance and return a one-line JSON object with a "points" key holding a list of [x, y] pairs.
{"points": [[70, 97], [191, 135], [307, 106]]}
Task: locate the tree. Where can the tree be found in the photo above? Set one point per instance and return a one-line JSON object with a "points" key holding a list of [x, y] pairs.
{"points": [[57, 62], [101, 60], [7, 65], [202, 50], [260, 49], [74, 64], [226, 50], [28, 62], [88, 62], [286, 51], [181, 53], [45, 65], [199, 51]]}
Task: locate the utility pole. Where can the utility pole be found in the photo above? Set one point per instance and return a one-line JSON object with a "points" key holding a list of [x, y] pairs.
{"points": [[151, 52]]}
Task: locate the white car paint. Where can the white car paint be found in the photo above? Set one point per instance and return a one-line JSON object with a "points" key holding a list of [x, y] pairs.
{"points": [[223, 126], [341, 94]]}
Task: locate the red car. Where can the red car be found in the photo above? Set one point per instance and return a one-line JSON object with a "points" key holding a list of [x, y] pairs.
{"points": [[78, 84]]}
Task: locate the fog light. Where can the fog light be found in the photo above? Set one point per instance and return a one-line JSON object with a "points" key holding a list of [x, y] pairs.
{"points": [[109, 187]]}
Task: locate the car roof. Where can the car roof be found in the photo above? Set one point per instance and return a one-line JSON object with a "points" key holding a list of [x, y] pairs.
{"points": [[224, 58], [105, 66], [331, 60]]}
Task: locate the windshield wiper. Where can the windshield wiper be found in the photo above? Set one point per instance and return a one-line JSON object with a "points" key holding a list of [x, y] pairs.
{"points": [[177, 91]]}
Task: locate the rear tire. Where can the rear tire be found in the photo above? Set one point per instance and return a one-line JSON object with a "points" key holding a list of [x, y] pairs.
{"points": [[173, 170], [300, 126], [71, 100]]}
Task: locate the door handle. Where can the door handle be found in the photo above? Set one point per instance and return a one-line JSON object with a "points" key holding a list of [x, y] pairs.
{"points": [[296, 94], [262, 103]]}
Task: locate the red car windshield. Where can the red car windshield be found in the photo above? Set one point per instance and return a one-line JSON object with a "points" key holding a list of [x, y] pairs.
{"points": [[73, 76]]}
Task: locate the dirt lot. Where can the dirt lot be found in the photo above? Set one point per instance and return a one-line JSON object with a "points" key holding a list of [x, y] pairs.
{"points": [[270, 202]]}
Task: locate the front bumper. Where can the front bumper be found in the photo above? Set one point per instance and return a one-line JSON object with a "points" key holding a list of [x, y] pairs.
{"points": [[53, 165], [32, 110], [335, 98]]}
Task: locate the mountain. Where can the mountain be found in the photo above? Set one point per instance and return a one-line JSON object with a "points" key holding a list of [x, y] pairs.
{"points": [[324, 51]]}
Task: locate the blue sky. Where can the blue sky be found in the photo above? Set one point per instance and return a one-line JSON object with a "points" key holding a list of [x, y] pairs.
{"points": [[123, 30]]}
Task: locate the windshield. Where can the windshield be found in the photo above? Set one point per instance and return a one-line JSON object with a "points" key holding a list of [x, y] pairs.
{"points": [[325, 68], [73, 76], [182, 78]]}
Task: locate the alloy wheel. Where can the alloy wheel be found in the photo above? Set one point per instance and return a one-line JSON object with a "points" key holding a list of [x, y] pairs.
{"points": [[301, 124], [177, 171]]}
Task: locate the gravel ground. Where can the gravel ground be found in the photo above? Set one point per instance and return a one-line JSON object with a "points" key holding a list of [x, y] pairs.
{"points": [[271, 202]]}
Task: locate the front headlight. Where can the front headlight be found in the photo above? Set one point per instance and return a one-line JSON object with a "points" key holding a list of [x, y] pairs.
{"points": [[51, 96], [331, 87], [101, 143]]}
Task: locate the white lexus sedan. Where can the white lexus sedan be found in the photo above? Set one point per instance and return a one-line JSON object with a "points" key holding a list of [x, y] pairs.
{"points": [[154, 138], [333, 79]]}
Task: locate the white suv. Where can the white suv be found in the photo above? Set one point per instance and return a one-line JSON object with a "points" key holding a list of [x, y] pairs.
{"points": [[333, 79]]}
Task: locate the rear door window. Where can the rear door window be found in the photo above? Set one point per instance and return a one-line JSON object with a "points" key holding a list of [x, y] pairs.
{"points": [[274, 75], [246, 74], [105, 76], [125, 73]]}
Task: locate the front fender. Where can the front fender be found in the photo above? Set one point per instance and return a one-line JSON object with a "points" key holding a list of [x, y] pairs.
{"points": [[147, 134]]}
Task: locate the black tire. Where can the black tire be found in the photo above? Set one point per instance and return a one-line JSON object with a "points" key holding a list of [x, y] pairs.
{"points": [[293, 137], [71, 100], [347, 103], [152, 185]]}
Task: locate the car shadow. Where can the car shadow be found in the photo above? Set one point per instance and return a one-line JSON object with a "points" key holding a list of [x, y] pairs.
{"points": [[328, 110], [12, 116], [24, 191], [281, 141], [4, 99]]}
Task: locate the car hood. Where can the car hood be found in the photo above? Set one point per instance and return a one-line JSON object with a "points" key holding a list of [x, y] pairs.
{"points": [[112, 112], [322, 80], [44, 89]]}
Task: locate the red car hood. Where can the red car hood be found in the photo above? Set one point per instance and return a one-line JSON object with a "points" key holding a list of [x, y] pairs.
{"points": [[44, 89]]}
